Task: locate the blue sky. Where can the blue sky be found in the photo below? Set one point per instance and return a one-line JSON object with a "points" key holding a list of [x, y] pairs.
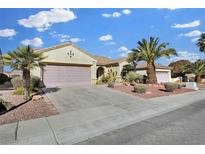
{"points": [[107, 32]]}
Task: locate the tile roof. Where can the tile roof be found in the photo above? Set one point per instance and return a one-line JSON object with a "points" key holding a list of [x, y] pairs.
{"points": [[101, 60]]}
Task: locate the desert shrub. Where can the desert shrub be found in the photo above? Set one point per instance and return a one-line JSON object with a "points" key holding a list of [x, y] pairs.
{"points": [[19, 91], [140, 89], [2, 106], [111, 84], [112, 76], [169, 86], [104, 79], [98, 82], [133, 83], [133, 76], [17, 82], [3, 78]]}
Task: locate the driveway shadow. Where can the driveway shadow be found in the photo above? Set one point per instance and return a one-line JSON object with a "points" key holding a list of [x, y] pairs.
{"points": [[51, 90]]}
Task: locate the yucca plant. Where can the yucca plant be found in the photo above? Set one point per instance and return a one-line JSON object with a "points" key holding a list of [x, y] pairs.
{"points": [[24, 58], [150, 51]]}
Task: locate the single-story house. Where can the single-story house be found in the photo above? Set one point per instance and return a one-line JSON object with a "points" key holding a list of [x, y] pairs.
{"points": [[67, 64], [163, 72]]}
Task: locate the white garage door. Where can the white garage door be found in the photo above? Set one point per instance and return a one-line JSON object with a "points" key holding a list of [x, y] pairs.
{"points": [[66, 75], [162, 77]]}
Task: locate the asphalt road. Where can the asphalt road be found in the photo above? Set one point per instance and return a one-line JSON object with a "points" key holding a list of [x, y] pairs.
{"points": [[182, 126]]}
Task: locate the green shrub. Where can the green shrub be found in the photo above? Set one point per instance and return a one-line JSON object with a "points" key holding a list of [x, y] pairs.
{"points": [[111, 84], [98, 82], [104, 79], [133, 76], [169, 86], [4, 105], [19, 91], [111, 75], [140, 89], [17, 82], [3, 78]]}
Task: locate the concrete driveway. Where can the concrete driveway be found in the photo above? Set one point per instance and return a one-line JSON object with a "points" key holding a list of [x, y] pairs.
{"points": [[69, 99], [87, 112]]}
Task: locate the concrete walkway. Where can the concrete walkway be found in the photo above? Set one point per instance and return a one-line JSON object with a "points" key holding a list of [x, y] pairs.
{"points": [[78, 125]]}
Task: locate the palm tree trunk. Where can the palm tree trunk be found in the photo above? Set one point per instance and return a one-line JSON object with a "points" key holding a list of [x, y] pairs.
{"points": [[26, 83], [198, 78], [151, 73]]}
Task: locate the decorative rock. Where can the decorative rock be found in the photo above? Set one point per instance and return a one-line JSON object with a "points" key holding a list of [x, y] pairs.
{"points": [[37, 97]]}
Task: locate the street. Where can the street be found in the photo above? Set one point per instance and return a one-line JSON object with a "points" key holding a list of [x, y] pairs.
{"points": [[183, 126]]}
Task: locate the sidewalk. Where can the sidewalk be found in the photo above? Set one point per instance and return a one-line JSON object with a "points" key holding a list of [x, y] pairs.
{"points": [[74, 127]]}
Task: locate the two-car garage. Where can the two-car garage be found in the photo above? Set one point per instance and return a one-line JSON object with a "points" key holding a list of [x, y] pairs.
{"points": [[66, 64], [57, 75]]}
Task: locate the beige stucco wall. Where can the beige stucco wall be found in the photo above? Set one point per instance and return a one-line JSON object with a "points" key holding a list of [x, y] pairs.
{"points": [[60, 55], [144, 72]]}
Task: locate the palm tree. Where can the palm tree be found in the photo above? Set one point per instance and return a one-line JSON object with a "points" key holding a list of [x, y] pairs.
{"points": [[197, 68], [201, 42], [150, 52], [24, 58]]}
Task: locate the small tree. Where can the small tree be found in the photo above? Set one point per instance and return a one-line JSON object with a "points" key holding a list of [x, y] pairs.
{"points": [[177, 68], [126, 69], [197, 68], [24, 58]]}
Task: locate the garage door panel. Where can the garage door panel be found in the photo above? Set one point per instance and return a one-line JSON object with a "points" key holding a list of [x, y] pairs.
{"points": [[66, 75], [162, 77]]}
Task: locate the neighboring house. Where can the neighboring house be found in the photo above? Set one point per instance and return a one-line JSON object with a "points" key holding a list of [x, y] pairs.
{"points": [[163, 72], [104, 64]]}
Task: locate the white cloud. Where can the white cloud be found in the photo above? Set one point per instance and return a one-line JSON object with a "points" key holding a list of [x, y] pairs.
{"points": [[113, 15], [36, 42], [187, 25], [185, 55], [122, 48], [126, 11], [193, 33], [61, 37], [65, 37], [75, 40], [106, 38], [106, 15], [116, 14], [123, 51], [44, 19], [7, 32]]}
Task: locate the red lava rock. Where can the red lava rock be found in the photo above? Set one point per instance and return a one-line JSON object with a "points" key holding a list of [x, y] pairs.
{"points": [[42, 107], [152, 91]]}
